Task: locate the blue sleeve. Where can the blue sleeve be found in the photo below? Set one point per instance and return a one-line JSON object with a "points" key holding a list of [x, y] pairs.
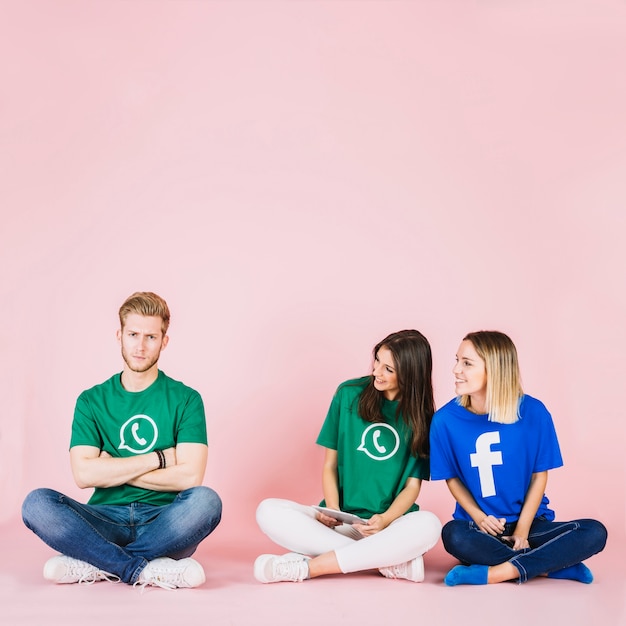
{"points": [[442, 465], [548, 450]]}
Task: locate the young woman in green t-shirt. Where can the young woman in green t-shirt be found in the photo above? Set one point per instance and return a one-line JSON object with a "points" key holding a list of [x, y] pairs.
{"points": [[376, 455]]}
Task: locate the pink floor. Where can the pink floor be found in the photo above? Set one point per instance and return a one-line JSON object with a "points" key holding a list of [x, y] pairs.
{"points": [[231, 596]]}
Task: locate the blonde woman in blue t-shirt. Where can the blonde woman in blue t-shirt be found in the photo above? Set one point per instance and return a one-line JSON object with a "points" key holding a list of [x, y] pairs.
{"points": [[376, 455], [494, 446]]}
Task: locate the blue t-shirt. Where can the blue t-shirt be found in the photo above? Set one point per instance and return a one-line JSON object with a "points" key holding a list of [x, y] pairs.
{"points": [[494, 461], [374, 461]]}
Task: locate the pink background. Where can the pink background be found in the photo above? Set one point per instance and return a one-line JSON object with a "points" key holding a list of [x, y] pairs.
{"points": [[299, 179]]}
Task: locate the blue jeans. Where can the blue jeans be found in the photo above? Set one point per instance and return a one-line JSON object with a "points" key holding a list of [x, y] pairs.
{"points": [[121, 539], [553, 545]]}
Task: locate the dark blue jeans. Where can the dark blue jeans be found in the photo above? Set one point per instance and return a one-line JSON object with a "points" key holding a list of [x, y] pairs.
{"points": [[553, 545], [118, 539]]}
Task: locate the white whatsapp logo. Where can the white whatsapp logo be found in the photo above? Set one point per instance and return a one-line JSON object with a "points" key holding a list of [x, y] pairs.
{"points": [[379, 441], [138, 434]]}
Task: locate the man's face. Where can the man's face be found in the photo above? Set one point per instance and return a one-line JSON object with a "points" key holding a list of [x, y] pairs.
{"points": [[142, 340]]}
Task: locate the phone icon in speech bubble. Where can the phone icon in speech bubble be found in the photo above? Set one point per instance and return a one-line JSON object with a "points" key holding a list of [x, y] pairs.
{"points": [[138, 434], [379, 441]]}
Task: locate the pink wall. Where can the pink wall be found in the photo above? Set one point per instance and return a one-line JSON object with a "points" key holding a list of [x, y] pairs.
{"points": [[298, 179]]}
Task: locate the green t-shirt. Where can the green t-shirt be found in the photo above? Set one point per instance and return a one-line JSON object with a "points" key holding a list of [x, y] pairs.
{"points": [[374, 461], [125, 423]]}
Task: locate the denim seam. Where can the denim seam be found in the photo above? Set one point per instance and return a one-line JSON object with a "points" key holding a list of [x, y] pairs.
{"points": [[135, 577], [56, 546], [556, 527], [523, 574], [515, 560], [93, 510]]}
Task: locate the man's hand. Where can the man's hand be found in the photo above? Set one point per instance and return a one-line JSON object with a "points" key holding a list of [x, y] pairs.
{"points": [[170, 456], [93, 467]]}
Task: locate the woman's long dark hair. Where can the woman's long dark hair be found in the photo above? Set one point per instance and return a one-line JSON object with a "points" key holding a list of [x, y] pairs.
{"points": [[413, 364]]}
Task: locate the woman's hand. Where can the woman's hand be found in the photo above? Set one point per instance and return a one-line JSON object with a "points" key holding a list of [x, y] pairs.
{"points": [[331, 522], [374, 525], [516, 542], [492, 525]]}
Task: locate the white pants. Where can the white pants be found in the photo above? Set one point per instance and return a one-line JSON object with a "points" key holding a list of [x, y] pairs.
{"points": [[294, 527]]}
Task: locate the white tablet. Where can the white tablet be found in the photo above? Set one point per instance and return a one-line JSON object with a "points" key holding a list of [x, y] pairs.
{"points": [[342, 516]]}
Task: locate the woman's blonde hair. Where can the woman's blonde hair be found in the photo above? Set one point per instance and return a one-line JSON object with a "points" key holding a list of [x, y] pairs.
{"points": [[148, 304], [504, 385]]}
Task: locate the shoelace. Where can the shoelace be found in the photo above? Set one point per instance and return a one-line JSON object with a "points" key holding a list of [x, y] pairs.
{"points": [[175, 575], [156, 583], [394, 571], [88, 574], [288, 570]]}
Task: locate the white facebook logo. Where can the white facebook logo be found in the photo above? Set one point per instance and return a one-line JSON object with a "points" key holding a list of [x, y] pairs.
{"points": [[484, 459]]}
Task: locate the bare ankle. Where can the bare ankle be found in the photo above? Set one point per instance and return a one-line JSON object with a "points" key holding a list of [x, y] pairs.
{"points": [[502, 572]]}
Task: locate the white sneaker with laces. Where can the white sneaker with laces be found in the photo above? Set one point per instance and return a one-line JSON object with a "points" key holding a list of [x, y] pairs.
{"points": [[411, 570], [291, 567], [171, 574], [65, 569]]}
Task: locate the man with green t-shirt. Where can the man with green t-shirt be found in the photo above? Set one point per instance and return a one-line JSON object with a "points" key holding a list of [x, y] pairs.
{"points": [[139, 439]]}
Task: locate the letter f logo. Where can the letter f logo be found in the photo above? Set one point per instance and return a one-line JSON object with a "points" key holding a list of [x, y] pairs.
{"points": [[484, 459]]}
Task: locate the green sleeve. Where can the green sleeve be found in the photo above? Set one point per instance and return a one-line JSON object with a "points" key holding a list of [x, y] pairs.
{"points": [[84, 429], [421, 468], [192, 423]]}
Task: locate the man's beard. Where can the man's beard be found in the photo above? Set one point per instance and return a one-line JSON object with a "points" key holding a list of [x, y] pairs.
{"points": [[144, 368]]}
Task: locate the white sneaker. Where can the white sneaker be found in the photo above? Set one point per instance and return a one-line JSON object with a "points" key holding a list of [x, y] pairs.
{"points": [[64, 569], [411, 570], [291, 567], [170, 574]]}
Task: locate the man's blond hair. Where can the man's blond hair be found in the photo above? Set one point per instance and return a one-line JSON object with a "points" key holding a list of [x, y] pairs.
{"points": [[147, 304]]}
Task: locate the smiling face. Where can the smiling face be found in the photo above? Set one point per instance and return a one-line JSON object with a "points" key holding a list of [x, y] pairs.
{"points": [[385, 376], [470, 376], [142, 340]]}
